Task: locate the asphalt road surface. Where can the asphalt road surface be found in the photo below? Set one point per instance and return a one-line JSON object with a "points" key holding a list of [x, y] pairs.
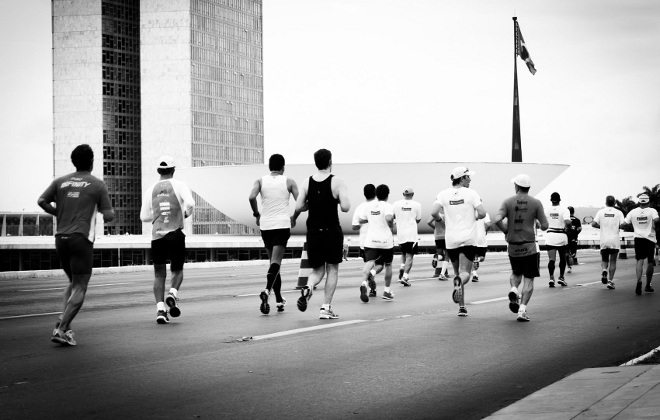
{"points": [[407, 358]]}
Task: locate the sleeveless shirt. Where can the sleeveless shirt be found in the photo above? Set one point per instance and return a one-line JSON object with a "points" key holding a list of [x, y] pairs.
{"points": [[322, 205]]}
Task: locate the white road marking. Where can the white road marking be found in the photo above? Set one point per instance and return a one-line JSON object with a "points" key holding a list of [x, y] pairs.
{"points": [[641, 358], [589, 284], [62, 288], [30, 315], [307, 329], [479, 302]]}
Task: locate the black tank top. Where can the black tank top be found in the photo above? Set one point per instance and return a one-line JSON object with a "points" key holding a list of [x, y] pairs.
{"points": [[322, 206]]}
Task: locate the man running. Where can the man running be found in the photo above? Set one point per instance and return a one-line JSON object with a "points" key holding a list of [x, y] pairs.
{"points": [[407, 214], [275, 221], [457, 205], [166, 204], [517, 218], [609, 221], [573, 231], [643, 220], [438, 226], [369, 192], [481, 244], [321, 195], [78, 196], [556, 241], [379, 243]]}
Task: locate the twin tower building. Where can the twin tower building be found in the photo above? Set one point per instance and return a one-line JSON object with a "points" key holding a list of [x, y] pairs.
{"points": [[136, 79]]}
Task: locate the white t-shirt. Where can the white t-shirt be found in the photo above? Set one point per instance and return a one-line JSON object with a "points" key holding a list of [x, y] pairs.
{"points": [[379, 234], [556, 235], [609, 219], [481, 241], [407, 213], [356, 221], [275, 205], [458, 205], [642, 221]]}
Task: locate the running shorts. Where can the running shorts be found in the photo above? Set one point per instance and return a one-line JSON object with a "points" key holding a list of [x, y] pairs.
{"points": [[469, 251], [440, 244], [325, 246], [272, 237], [606, 252], [645, 250], [170, 247], [76, 254], [382, 256], [527, 266], [481, 251], [409, 248]]}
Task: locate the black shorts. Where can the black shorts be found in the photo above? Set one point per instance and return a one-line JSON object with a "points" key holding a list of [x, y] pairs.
{"points": [[382, 256], [469, 251], [75, 252], [325, 246], [409, 248], [170, 247], [481, 251], [606, 252], [274, 237], [527, 266], [441, 244], [645, 250]]}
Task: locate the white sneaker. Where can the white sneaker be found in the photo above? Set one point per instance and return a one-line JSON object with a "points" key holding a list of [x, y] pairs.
{"points": [[327, 314], [522, 317]]}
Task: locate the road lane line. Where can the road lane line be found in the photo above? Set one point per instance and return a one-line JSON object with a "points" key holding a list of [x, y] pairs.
{"points": [[479, 302], [307, 329], [29, 315], [62, 288], [641, 358]]}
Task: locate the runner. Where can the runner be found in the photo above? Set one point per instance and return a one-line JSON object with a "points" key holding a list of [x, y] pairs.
{"points": [[517, 218], [275, 222], [438, 226], [457, 205], [379, 243], [369, 191], [166, 204], [556, 241], [609, 221], [78, 196], [407, 214], [325, 240], [482, 245], [573, 231], [643, 220]]}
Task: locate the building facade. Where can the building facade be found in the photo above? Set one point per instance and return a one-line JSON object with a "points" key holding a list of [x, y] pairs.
{"points": [[139, 79]]}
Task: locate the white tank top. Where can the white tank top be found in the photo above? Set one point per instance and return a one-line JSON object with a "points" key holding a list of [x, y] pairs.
{"points": [[275, 212]]}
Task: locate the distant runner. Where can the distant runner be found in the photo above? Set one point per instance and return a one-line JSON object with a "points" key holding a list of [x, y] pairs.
{"points": [[609, 221], [643, 220], [407, 214], [556, 240]]}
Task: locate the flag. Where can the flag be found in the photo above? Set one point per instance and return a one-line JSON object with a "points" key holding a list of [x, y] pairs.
{"points": [[521, 50]]}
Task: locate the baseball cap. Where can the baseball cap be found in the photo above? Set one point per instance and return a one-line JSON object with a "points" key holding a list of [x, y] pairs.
{"points": [[408, 190], [461, 171], [166, 162], [643, 198], [555, 196], [522, 180]]}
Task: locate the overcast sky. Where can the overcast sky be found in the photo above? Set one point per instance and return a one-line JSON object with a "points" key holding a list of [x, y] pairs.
{"points": [[414, 80]]}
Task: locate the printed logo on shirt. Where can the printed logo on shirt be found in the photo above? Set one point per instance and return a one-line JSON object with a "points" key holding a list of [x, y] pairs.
{"points": [[375, 212], [554, 215], [73, 194], [642, 219], [456, 202], [75, 184], [609, 215], [406, 208]]}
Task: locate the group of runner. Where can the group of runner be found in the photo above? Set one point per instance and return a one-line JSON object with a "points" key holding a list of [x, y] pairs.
{"points": [[458, 218]]}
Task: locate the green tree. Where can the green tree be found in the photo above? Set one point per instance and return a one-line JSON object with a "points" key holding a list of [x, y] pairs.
{"points": [[654, 196]]}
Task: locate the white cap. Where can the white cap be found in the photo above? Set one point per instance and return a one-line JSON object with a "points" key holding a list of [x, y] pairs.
{"points": [[461, 171], [522, 180], [166, 162], [643, 198], [408, 190]]}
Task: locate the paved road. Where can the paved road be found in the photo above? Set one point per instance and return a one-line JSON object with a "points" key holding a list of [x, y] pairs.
{"points": [[408, 358]]}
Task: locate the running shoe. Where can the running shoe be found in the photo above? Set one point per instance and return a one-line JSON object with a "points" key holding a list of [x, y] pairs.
{"points": [[372, 282], [162, 318], [475, 278], [327, 314], [551, 283], [610, 285], [372, 292], [514, 304], [363, 294], [281, 305], [570, 269], [66, 338], [462, 311], [603, 277], [170, 301], [434, 261], [388, 295], [456, 294], [442, 277], [306, 295], [264, 307], [562, 282], [638, 289], [522, 317], [405, 282], [400, 273], [649, 289]]}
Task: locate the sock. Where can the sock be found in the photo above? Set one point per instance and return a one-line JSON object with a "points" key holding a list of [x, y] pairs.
{"points": [[523, 308], [364, 283], [325, 306], [160, 306], [444, 267], [514, 289], [387, 289], [405, 276], [174, 292], [373, 272], [403, 266]]}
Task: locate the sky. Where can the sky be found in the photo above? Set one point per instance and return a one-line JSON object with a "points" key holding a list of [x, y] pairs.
{"points": [[408, 81]]}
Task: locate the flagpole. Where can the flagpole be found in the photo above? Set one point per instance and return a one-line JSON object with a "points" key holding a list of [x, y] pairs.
{"points": [[516, 146]]}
